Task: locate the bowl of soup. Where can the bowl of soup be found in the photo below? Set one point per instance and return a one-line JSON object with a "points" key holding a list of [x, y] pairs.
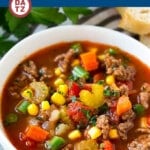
{"points": [[75, 88]]}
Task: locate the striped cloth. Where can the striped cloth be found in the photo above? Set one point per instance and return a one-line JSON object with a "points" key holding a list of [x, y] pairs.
{"points": [[107, 17]]}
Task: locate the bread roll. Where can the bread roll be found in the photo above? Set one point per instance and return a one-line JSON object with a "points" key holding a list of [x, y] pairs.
{"points": [[135, 19]]}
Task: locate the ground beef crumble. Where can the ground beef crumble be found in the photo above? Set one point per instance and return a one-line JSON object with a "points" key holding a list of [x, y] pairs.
{"points": [[103, 124]]}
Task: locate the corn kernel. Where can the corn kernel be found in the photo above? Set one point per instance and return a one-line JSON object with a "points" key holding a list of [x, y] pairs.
{"points": [[58, 82], [58, 99], [101, 57], [113, 134], [75, 134], [27, 94], [143, 122], [94, 133], [33, 109], [57, 71], [63, 89], [110, 80], [45, 105], [75, 62]]}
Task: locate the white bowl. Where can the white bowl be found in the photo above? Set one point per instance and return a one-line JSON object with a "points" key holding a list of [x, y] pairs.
{"points": [[33, 43]]}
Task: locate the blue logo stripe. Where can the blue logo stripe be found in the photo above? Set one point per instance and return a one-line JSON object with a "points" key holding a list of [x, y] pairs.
{"points": [[96, 3]]}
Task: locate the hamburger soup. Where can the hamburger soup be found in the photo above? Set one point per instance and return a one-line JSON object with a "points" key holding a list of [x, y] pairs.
{"points": [[78, 96]]}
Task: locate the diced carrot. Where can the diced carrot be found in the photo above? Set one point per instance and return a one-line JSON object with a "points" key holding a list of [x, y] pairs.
{"points": [[89, 61], [123, 105], [108, 145], [97, 77], [36, 133]]}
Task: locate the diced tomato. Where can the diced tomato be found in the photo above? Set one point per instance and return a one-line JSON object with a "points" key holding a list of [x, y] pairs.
{"points": [[108, 145], [74, 89], [78, 112]]}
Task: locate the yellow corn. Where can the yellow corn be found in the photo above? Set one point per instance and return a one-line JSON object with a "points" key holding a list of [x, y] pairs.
{"points": [[58, 82], [33, 109], [63, 89], [93, 99], [27, 94], [110, 80], [57, 71], [75, 134], [75, 62], [143, 122], [113, 134], [94, 132], [101, 57], [45, 105], [58, 99]]}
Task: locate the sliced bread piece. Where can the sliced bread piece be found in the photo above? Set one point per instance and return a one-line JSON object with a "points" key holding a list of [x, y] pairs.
{"points": [[121, 10], [145, 39], [135, 19]]}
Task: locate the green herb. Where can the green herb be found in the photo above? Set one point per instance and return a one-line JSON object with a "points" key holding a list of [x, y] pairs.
{"points": [[73, 78], [116, 93], [73, 13], [11, 118], [107, 92], [112, 51], [139, 109], [86, 113], [101, 82], [103, 109], [21, 27], [77, 48], [93, 120], [5, 45], [80, 72]]}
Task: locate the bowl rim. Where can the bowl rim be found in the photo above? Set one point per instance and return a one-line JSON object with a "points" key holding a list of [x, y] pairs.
{"points": [[32, 37]]}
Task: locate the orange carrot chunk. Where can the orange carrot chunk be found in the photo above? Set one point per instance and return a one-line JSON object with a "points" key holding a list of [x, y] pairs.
{"points": [[123, 105], [36, 133], [89, 61]]}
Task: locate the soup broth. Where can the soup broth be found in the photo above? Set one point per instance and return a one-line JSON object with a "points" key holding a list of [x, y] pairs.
{"points": [[78, 96]]}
